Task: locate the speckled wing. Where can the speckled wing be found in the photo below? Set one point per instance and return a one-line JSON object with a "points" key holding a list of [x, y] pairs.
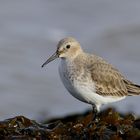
{"points": [[133, 89], [108, 81]]}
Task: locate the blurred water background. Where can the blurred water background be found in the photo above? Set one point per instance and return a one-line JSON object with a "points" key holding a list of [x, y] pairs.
{"points": [[29, 32]]}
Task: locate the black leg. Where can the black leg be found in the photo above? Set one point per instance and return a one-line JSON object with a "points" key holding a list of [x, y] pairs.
{"points": [[94, 118], [95, 112]]}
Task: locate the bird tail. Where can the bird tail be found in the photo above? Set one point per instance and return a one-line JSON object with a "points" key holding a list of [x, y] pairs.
{"points": [[133, 89]]}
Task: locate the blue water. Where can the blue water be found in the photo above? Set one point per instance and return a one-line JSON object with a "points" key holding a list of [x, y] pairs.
{"points": [[29, 32]]}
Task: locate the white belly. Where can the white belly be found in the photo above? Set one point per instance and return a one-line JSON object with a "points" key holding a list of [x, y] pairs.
{"points": [[83, 91]]}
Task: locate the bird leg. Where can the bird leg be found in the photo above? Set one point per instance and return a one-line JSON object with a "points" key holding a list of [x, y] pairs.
{"points": [[94, 117], [95, 112]]}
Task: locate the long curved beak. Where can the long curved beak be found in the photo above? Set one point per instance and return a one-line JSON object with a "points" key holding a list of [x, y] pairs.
{"points": [[54, 56]]}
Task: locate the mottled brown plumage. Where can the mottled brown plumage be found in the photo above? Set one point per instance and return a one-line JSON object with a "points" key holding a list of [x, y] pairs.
{"points": [[109, 81]]}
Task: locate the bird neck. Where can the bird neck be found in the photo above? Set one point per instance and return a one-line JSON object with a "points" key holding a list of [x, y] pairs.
{"points": [[75, 54]]}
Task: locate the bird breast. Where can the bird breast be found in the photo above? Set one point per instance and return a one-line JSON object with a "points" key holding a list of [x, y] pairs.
{"points": [[75, 80]]}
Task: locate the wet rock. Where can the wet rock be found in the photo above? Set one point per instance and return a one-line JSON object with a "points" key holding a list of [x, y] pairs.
{"points": [[110, 125]]}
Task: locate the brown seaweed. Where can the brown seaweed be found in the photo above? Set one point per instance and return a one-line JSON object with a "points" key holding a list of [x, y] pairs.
{"points": [[110, 126]]}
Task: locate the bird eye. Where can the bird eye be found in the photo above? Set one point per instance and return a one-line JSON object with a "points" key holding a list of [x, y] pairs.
{"points": [[68, 46]]}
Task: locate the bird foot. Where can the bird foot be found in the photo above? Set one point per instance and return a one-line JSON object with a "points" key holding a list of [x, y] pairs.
{"points": [[93, 121]]}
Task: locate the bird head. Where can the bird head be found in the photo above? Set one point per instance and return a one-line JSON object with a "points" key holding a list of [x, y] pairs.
{"points": [[67, 48]]}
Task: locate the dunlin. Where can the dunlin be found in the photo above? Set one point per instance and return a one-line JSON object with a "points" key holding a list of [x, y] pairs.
{"points": [[89, 77]]}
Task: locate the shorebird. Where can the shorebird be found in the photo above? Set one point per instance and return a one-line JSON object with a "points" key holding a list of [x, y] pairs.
{"points": [[90, 78]]}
